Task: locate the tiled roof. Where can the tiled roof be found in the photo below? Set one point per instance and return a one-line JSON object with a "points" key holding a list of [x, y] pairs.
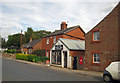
{"points": [[59, 32], [31, 44]]}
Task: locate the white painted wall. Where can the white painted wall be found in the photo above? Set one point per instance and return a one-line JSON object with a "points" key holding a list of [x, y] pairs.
{"points": [[62, 54]]}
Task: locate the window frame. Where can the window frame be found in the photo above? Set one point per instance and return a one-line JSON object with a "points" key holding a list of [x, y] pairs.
{"points": [[96, 30], [48, 40], [93, 62], [54, 39]]}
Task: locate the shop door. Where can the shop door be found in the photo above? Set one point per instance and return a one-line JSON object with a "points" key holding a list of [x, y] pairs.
{"points": [[65, 59], [75, 63]]}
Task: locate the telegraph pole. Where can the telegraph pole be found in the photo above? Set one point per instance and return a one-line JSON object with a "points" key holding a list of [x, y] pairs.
{"points": [[21, 41]]}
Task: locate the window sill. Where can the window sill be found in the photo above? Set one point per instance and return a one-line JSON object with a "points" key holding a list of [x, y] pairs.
{"points": [[97, 64], [96, 42]]}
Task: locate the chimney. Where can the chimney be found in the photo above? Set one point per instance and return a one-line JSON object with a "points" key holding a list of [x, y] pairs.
{"points": [[30, 39], [63, 25]]}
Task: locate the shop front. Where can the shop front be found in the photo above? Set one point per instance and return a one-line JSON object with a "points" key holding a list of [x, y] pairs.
{"points": [[60, 53]]}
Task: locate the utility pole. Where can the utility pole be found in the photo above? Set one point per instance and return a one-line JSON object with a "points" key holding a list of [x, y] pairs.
{"points": [[21, 41]]}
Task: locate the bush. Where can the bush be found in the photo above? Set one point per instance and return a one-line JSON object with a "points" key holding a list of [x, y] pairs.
{"points": [[42, 58], [26, 57], [31, 57], [10, 51], [22, 56], [39, 52]]}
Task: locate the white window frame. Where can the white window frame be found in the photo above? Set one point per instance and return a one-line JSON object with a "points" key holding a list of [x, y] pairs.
{"points": [[47, 40], [97, 57], [54, 40], [96, 36], [47, 54]]}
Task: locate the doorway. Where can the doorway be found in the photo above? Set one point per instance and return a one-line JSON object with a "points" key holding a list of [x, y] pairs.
{"points": [[75, 63], [65, 59]]}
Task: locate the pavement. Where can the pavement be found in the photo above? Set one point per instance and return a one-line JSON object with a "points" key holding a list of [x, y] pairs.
{"points": [[80, 72]]}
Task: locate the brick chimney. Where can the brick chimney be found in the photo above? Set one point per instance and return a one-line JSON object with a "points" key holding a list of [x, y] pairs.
{"points": [[30, 39], [63, 25]]}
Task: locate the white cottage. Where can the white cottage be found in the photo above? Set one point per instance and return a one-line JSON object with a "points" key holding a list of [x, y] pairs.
{"points": [[66, 53]]}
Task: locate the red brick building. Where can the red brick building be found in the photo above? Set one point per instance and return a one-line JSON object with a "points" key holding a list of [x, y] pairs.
{"points": [[101, 42], [28, 48], [74, 32]]}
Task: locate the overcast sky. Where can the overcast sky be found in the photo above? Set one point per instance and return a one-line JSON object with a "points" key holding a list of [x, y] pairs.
{"points": [[48, 15]]}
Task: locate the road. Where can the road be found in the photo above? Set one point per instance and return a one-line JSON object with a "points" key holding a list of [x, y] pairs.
{"points": [[18, 71]]}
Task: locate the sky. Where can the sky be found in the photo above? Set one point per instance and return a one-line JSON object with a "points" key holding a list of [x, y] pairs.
{"points": [[17, 15]]}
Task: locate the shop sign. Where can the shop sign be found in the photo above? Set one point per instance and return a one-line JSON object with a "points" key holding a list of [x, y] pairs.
{"points": [[58, 47]]}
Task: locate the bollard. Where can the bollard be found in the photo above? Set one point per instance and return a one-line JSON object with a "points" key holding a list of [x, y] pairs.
{"points": [[48, 63]]}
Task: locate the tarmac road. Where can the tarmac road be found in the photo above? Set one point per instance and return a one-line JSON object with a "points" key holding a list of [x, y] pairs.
{"points": [[18, 71]]}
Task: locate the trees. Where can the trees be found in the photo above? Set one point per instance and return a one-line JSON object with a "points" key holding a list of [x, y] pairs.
{"points": [[15, 39], [28, 34]]}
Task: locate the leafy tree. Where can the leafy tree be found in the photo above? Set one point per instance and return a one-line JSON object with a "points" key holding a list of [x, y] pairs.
{"points": [[39, 34], [14, 40], [28, 34]]}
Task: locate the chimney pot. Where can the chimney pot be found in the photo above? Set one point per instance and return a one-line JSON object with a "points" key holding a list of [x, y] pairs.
{"points": [[63, 25]]}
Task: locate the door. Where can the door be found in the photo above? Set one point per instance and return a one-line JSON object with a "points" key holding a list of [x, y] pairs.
{"points": [[65, 59], [75, 63]]}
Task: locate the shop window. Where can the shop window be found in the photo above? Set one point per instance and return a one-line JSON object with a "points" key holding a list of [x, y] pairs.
{"points": [[95, 35], [96, 58], [47, 40], [56, 57]]}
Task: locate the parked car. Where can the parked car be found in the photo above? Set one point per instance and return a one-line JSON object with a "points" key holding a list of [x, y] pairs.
{"points": [[112, 72]]}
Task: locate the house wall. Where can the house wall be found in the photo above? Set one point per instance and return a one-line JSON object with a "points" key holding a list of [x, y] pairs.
{"points": [[107, 46], [46, 46], [77, 54], [76, 33], [38, 46]]}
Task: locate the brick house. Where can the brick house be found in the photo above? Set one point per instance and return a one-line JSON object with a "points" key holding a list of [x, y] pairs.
{"points": [[28, 48], [74, 32], [101, 42]]}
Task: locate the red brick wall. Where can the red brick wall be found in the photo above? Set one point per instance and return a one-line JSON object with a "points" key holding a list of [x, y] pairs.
{"points": [[46, 46], [38, 46], [78, 54], [108, 45], [76, 33]]}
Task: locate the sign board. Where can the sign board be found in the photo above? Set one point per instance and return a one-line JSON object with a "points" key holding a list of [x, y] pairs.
{"points": [[58, 47]]}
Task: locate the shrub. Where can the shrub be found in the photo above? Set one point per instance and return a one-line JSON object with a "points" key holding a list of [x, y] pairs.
{"points": [[42, 58], [22, 56], [26, 57], [39, 52], [31, 57], [10, 51]]}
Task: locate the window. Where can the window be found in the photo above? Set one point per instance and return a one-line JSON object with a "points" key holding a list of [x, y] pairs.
{"points": [[47, 54], [54, 39], [95, 35], [96, 58], [47, 40]]}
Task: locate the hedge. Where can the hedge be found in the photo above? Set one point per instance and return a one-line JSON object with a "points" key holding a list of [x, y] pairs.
{"points": [[42, 58], [10, 51], [39, 52], [26, 57]]}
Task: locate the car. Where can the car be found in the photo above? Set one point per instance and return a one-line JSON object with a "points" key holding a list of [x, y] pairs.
{"points": [[112, 72]]}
